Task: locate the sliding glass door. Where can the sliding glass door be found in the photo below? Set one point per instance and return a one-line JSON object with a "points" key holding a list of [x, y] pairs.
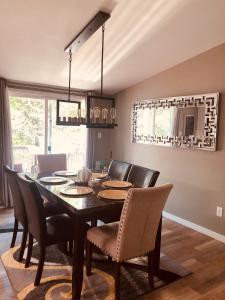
{"points": [[28, 131], [71, 140], [34, 131]]}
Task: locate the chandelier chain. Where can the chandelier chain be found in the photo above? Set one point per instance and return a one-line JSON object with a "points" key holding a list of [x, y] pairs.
{"points": [[102, 58], [70, 62]]}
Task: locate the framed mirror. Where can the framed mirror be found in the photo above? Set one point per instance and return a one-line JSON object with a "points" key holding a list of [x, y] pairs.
{"points": [[186, 121]]}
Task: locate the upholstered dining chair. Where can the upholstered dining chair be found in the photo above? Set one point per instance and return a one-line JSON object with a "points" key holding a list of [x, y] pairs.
{"points": [[49, 163], [118, 169], [142, 177], [46, 231], [20, 215], [135, 234]]}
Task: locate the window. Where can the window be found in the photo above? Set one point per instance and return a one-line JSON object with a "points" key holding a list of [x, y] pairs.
{"points": [[34, 131]]}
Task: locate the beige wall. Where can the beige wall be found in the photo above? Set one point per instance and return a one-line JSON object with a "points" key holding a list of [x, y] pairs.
{"points": [[102, 145], [198, 176]]}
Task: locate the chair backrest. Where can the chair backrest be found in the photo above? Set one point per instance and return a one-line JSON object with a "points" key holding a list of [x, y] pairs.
{"points": [[18, 202], [140, 220], [34, 208], [118, 170], [49, 163], [142, 177]]}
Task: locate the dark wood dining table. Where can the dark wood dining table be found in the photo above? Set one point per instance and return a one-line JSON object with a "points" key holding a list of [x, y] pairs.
{"points": [[84, 209]]}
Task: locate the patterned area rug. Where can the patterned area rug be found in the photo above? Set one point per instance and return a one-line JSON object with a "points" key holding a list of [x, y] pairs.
{"points": [[56, 278], [8, 225]]}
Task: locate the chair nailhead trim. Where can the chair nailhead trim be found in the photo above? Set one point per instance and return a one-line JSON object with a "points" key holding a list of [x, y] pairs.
{"points": [[125, 206]]}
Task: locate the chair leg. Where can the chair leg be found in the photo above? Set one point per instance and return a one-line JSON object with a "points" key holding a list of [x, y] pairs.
{"points": [[94, 223], [151, 269], [15, 229], [40, 266], [89, 250], [23, 244], [71, 248], [29, 251], [117, 280]]}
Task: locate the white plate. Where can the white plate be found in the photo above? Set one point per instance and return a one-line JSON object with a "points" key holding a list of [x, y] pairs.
{"points": [[113, 194], [65, 173], [117, 184], [99, 175], [76, 191], [53, 180]]}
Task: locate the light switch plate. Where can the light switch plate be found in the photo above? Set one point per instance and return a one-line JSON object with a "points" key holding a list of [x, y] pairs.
{"points": [[219, 212], [99, 135]]}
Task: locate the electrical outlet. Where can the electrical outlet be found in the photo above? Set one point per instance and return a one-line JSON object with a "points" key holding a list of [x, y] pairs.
{"points": [[219, 212], [99, 135]]}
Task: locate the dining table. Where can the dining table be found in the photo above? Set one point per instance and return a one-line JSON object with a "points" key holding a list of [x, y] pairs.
{"points": [[83, 209]]}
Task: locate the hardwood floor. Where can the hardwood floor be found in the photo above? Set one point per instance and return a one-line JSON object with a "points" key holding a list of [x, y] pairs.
{"points": [[6, 290], [204, 256], [6, 217]]}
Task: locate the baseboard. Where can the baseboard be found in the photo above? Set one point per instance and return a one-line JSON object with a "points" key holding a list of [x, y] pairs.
{"points": [[201, 229]]}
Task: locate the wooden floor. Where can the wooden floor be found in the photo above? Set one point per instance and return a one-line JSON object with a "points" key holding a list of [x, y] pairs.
{"points": [[6, 290], [202, 255]]}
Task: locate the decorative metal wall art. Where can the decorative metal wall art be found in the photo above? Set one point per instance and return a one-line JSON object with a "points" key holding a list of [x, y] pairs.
{"points": [[185, 121]]}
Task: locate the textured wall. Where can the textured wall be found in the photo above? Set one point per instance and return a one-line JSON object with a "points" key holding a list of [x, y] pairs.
{"points": [[198, 176]]}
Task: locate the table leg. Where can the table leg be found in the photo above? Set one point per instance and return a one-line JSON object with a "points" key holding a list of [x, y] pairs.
{"points": [[164, 275], [156, 260], [78, 259]]}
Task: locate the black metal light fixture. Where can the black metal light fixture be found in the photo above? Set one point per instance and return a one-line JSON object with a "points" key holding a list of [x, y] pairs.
{"points": [[98, 114], [63, 105]]}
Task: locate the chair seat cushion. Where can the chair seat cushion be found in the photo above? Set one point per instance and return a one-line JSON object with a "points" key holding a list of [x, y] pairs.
{"points": [[59, 229], [104, 237]]}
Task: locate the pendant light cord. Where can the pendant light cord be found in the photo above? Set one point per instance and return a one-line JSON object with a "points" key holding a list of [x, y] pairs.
{"points": [[70, 62], [102, 59]]}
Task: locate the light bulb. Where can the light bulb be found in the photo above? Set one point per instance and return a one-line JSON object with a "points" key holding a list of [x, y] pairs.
{"points": [[97, 113], [113, 114], [104, 114]]}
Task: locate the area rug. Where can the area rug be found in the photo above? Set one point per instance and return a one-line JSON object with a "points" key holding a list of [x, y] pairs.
{"points": [[9, 225], [56, 277]]}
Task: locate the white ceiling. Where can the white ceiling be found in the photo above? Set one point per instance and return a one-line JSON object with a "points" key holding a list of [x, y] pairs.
{"points": [[142, 38]]}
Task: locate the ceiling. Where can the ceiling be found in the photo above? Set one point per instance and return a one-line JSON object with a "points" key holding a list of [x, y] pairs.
{"points": [[142, 38]]}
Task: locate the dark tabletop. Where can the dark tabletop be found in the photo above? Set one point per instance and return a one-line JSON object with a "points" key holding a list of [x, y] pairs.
{"points": [[81, 205]]}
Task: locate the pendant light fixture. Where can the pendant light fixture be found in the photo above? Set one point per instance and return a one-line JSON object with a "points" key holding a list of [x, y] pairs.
{"points": [[95, 116]]}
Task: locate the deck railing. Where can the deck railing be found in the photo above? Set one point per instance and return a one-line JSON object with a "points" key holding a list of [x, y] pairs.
{"points": [[24, 158]]}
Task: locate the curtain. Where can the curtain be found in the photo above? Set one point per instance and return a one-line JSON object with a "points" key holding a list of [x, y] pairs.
{"points": [[90, 155], [90, 152], [30, 90], [5, 143]]}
